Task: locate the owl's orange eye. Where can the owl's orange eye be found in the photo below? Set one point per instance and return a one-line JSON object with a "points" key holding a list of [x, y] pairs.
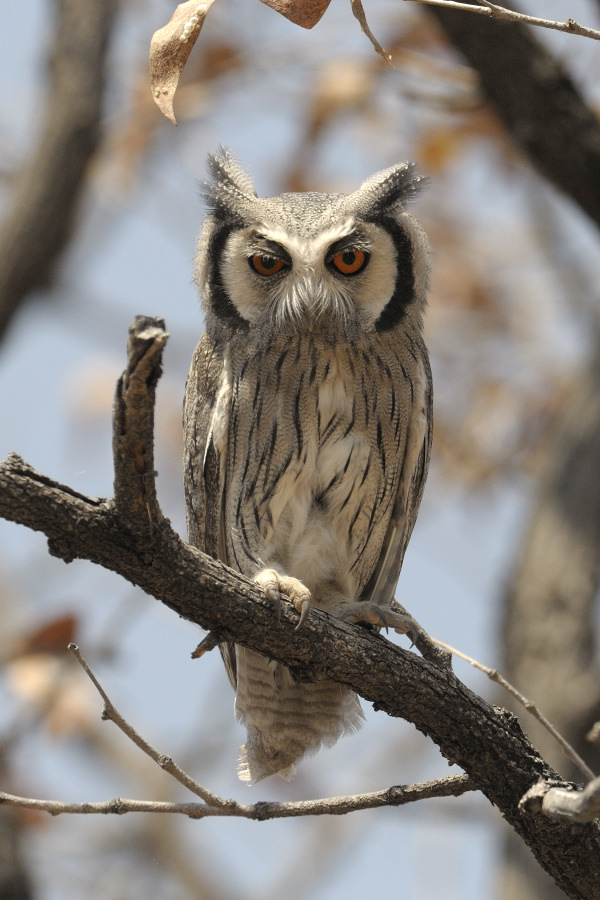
{"points": [[266, 265], [350, 262]]}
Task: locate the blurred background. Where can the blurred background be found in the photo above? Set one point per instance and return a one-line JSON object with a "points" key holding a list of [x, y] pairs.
{"points": [[99, 211]]}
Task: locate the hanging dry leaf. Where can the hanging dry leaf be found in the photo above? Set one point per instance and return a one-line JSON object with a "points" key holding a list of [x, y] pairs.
{"points": [[305, 13], [170, 49]]}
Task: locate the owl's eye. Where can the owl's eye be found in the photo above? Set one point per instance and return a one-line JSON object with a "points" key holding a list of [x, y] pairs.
{"points": [[266, 265], [350, 262]]}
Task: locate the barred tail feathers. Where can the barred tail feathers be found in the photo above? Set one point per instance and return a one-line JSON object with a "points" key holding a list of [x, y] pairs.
{"points": [[286, 720]]}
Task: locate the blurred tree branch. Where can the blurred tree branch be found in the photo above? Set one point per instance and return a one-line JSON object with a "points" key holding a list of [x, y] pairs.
{"points": [[129, 535], [39, 222], [536, 100], [551, 597]]}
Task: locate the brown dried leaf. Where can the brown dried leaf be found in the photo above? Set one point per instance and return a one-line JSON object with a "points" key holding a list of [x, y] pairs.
{"points": [[169, 54], [305, 13]]}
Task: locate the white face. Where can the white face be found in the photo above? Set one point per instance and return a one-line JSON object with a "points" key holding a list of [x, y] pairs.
{"points": [[345, 274]]}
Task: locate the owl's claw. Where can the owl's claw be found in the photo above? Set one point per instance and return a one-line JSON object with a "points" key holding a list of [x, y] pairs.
{"points": [[382, 618], [274, 585], [303, 608]]}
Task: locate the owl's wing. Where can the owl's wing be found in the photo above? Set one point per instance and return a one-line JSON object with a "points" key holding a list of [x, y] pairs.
{"points": [[382, 584], [202, 488], [204, 457]]}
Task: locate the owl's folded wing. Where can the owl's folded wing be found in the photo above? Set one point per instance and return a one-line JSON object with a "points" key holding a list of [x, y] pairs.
{"points": [[382, 584]]}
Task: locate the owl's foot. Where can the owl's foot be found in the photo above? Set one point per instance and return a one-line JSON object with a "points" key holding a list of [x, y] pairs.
{"points": [[370, 614], [274, 585]]}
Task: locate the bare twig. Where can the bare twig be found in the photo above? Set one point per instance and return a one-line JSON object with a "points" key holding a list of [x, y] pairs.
{"points": [[452, 786], [165, 762], [531, 708], [493, 11], [206, 645]]}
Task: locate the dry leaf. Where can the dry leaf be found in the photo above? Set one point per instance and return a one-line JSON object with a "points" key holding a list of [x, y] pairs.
{"points": [[305, 13], [169, 54]]}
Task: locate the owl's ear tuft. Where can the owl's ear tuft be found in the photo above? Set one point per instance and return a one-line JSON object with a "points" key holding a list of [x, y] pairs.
{"points": [[389, 191], [230, 192]]}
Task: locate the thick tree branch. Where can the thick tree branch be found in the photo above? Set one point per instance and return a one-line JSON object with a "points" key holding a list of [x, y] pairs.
{"points": [[485, 741], [39, 222]]}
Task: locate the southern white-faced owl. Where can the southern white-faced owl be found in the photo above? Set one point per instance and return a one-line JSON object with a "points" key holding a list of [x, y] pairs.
{"points": [[307, 423]]}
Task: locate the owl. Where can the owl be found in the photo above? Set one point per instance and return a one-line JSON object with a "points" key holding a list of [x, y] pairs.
{"points": [[307, 423]]}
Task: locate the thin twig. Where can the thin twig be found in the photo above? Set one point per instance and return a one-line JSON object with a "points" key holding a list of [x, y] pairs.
{"points": [[165, 762], [499, 12], [215, 805], [531, 708], [452, 786], [206, 645]]}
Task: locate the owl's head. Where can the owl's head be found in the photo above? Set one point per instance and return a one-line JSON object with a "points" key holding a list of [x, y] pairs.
{"points": [[333, 262]]}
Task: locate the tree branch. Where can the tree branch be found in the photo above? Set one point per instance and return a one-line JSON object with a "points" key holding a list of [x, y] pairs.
{"points": [[485, 741], [493, 11], [399, 795]]}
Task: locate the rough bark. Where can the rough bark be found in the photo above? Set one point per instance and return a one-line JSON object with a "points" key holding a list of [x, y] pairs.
{"points": [[485, 741], [39, 222]]}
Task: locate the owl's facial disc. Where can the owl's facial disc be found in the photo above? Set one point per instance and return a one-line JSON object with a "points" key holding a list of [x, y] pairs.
{"points": [[342, 275]]}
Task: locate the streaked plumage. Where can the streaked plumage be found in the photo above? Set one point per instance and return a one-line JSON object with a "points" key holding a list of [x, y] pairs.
{"points": [[307, 421]]}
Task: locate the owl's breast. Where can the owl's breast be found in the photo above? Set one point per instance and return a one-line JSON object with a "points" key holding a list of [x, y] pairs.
{"points": [[315, 464]]}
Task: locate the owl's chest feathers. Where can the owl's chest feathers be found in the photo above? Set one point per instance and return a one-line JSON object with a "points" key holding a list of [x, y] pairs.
{"points": [[312, 464]]}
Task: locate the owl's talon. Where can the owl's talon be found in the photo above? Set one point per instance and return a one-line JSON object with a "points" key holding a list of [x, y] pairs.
{"points": [[382, 618], [303, 608], [274, 585]]}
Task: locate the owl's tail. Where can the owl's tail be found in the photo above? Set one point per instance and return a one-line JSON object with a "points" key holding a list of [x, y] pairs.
{"points": [[286, 720]]}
